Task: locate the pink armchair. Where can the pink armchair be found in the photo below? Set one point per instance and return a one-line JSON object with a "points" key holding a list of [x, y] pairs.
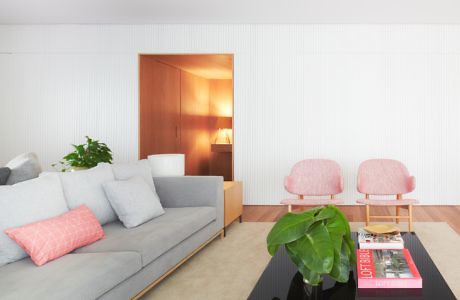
{"points": [[386, 177], [314, 177]]}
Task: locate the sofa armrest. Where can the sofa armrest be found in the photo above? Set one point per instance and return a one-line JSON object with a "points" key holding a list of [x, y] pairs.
{"points": [[188, 191]]}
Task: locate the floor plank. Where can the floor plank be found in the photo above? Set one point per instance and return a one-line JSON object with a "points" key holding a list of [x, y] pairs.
{"points": [[356, 213]]}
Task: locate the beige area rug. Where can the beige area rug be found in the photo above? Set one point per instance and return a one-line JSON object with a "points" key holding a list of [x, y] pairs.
{"points": [[230, 268]]}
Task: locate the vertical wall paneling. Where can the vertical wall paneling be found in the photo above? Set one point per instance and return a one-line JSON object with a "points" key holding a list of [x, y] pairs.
{"points": [[344, 92]]}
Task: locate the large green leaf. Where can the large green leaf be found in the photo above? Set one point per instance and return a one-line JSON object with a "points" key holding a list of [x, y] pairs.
{"points": [[347, 237], [272, 249], [337, 229], [289, 228], [351, 247], [341, 267], [312, 277], [326, 212], [315, 249]]}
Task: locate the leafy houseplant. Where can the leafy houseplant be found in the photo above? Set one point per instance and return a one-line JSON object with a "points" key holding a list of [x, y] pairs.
{"points": [[317, 241], [86, 156]]}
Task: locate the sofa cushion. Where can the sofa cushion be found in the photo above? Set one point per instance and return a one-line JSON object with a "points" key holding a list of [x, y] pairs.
{"points": [[24, 203], [85, 187], [155, 237], [4, 174], [23, 167], [123, 171], [73, 276], [133, 201]]}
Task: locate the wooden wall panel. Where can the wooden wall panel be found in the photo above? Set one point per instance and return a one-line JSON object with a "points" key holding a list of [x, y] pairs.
{"points": [[195, 123], [221, 164], [159, 107], [221, 112]]}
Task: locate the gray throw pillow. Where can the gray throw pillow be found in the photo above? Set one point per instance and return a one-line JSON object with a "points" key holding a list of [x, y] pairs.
{"points": [[133, 201], [23, 167], [4, 174]]}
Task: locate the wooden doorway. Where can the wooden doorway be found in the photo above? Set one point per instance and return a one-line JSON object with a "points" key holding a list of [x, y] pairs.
{"points": [[186, 106]]}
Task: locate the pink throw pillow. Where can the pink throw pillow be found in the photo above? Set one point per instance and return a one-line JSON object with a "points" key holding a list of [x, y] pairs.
{"points": [[52, 238]]}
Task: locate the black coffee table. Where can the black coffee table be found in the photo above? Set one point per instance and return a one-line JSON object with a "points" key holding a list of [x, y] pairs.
{"points": [[280, 280]]}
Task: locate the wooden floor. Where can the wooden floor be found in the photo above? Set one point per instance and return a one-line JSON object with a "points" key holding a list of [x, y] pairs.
{"points": [[356, 213]]}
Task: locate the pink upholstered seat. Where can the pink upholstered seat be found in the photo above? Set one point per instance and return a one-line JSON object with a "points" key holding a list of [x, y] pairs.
{"points": [[307, 202], [314, 177], [386, 177], [374, 202]]}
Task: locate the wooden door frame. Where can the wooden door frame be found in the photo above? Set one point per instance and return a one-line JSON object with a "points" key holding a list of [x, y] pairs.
{"points": [[139, 98]]}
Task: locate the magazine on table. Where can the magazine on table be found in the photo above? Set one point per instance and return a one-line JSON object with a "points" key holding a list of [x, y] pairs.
{"points": [[386, 268], [379, 241]]}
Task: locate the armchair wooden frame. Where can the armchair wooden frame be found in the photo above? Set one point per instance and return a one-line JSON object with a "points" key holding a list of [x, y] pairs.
{"points": [[301, 197], [397, 217]]}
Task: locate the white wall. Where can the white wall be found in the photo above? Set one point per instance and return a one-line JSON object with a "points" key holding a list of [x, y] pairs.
{"points": [[345, 92]]}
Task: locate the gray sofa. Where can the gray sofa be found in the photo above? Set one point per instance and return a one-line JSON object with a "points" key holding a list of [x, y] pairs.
{"points": [[127, 261]]}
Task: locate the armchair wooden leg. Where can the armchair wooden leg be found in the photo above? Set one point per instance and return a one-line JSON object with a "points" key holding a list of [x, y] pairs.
{"points": [[397, 214], [289, 208], [367, 215], [410, 217]]}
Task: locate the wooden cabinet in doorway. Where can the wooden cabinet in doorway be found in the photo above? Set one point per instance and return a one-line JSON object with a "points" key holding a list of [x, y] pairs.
{"points": [[159, 108]]}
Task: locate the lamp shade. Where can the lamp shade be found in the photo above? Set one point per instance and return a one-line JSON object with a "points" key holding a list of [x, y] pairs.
{"points": [[224, 122], [164, 165]]}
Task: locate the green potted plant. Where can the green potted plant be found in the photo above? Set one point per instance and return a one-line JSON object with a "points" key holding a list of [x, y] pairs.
{"points": [[317, 241], [85, 156]]}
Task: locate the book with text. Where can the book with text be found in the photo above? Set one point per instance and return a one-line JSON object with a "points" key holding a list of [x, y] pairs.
{"points": [[386, 268], [379, 241]]}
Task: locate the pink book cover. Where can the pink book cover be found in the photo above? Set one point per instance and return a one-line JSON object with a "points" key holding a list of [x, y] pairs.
{"points": [[386, 268]]}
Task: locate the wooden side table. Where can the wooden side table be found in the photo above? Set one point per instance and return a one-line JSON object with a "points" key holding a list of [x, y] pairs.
{"points": [[233, 202]]}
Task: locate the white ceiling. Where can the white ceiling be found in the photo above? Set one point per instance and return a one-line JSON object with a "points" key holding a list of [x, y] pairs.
{"points": [[227, 11]]}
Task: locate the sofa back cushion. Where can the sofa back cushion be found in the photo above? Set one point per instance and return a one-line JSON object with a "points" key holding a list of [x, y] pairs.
{"points": [[124, 171], [24, 203], [4, 174], [23, 167], [85, 187], [54, 237]]}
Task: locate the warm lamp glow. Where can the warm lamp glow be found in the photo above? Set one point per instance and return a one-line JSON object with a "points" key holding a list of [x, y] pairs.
{"points": [[223, 136], [224, 107]]}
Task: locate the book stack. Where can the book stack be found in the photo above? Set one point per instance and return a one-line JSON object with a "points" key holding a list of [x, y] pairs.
{"points": [[383, 262], [369, 240]]}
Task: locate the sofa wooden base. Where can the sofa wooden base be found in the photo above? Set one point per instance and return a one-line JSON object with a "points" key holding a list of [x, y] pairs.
{"points": [[153, 284]]}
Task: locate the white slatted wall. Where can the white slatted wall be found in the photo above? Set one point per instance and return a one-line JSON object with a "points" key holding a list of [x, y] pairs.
{"points": [[345, 92]]}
